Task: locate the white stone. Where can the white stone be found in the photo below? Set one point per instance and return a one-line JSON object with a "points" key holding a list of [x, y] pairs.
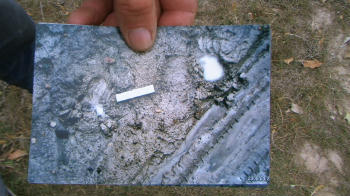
{"points": [[52, 124], [103, 127], [99, 110], [212, 69]]}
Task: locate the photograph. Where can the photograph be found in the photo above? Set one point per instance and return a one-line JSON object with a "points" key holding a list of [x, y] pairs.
{"points": [[175, 97], [194, 110]]}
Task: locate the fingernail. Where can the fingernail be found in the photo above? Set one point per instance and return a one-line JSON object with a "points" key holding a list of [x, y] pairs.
{"points": [[140, 39]]}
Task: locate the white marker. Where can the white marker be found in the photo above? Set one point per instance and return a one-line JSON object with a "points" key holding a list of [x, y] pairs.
{"points": [[135, 93]]}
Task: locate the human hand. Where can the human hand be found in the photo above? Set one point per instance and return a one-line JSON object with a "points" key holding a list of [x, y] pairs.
{"points": [[137, 19]]}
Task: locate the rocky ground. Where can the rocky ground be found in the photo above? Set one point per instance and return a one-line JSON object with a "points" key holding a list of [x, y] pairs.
{"points": [[310, 104]]}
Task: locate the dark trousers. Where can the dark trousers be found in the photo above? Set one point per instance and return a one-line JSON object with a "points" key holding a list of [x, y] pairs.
{"points": [[17, 42], [17, 33]]}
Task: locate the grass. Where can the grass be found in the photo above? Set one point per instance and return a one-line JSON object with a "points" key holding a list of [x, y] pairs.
{"points": [[312, 89]]}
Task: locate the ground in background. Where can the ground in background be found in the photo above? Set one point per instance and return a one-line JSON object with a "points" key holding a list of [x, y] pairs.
{"points": [[309, 106]]}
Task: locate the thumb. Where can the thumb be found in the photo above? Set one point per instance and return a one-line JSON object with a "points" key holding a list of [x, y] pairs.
{"points": [[138, 22]]}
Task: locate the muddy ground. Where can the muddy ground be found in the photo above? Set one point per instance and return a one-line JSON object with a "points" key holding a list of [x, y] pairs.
{"points": [[310, 107]]}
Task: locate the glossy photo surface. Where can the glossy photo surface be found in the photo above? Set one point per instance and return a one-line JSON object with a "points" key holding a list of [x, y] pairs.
{"points": [[206, 123]]}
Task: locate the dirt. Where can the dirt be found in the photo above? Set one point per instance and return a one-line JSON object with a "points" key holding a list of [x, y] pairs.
{"points": [[338, 49], [321, 19], [301, 29], [326, 164]]}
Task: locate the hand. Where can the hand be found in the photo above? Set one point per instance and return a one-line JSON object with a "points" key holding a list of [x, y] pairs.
{"points": [[137, 19]]}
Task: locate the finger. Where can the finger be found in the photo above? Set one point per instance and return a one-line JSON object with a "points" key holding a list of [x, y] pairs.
{"points": [[177, 12], [111, 20], [138, 22], [91, 12]]}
